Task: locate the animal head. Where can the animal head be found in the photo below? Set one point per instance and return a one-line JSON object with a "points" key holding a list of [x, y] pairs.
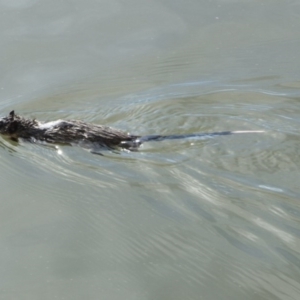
{"points": [[9, 125]]}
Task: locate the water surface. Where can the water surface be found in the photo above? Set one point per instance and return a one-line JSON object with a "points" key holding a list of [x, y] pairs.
{"points": [[210, 218]]}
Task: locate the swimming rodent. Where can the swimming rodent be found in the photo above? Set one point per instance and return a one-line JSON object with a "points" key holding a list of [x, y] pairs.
{"points": [[84, 134]]}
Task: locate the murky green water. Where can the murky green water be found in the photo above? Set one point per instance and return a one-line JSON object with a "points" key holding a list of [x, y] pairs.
{"points": [[211, 218]]}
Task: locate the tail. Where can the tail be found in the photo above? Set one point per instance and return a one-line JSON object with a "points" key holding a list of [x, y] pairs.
{"points": [[156, 138]]}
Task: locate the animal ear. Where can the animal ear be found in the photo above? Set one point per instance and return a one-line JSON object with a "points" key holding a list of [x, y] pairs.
{"points": [[13, 127], [12, 114]]}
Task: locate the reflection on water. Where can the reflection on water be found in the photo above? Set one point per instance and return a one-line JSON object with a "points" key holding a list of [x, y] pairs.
{"points": [[210, 218], [172, 208]]}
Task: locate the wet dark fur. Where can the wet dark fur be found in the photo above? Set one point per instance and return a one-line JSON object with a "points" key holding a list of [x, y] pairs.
{"points": [[73, 131]]}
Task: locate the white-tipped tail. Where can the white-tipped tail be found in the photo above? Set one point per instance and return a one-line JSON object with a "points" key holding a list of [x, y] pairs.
{"points": [[248, 131]]}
